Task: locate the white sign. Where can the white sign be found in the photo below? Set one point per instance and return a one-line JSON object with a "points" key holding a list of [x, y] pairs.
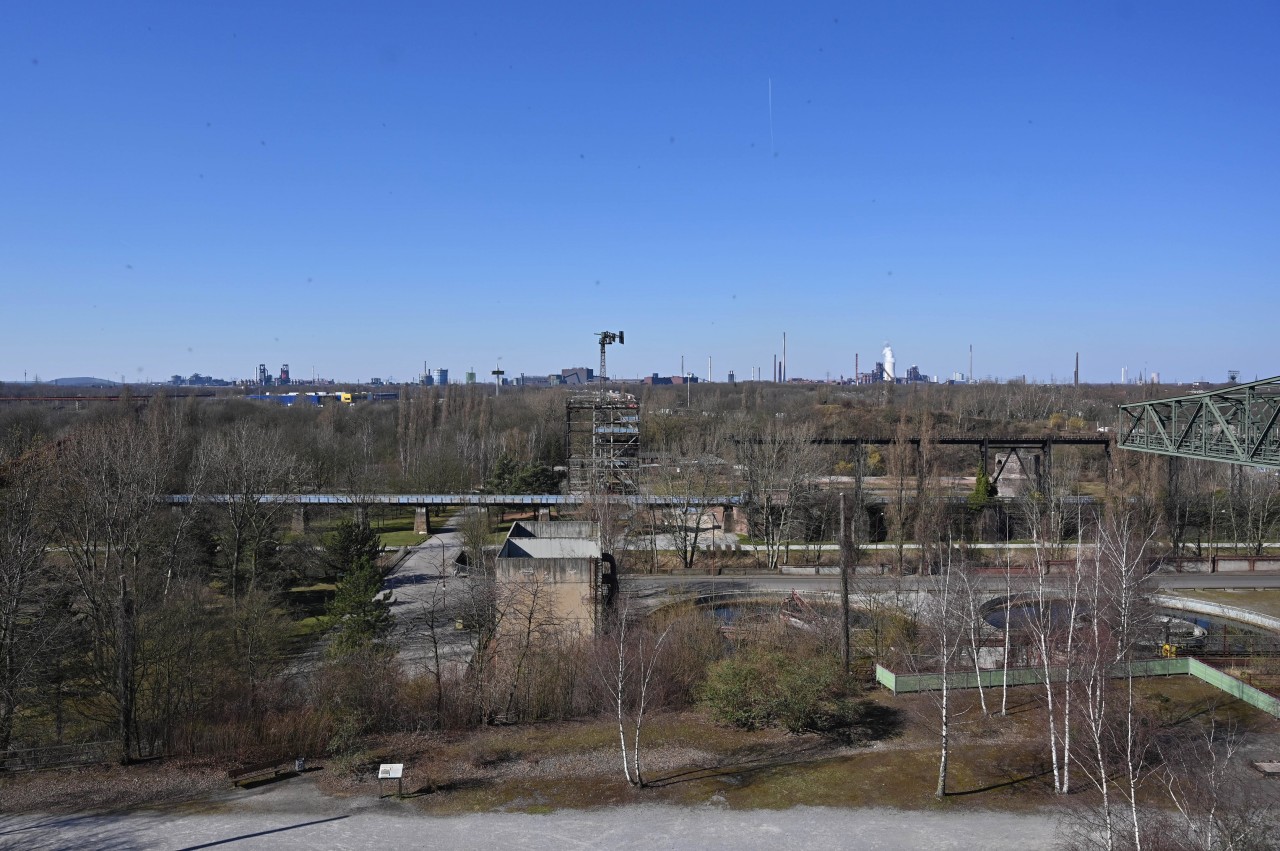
{"points": [[391, 771]]}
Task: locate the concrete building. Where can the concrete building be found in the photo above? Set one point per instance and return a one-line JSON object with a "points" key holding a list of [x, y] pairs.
{"points": [[659, 380], [578, 375], [553, 573]]}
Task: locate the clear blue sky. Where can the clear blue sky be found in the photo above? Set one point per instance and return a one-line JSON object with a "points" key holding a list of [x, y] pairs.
{"points": [[361, 187]]}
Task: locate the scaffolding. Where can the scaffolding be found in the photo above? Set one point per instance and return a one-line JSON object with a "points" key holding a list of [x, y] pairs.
{"points": [[602, 442]]}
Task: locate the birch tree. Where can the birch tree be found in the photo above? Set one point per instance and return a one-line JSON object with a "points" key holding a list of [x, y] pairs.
{"points": [[627, 669], [944, 623]]}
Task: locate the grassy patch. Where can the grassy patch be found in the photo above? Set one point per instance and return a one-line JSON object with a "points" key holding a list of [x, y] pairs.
{"points": [[401, 538], [397, 531], [311, 626]]}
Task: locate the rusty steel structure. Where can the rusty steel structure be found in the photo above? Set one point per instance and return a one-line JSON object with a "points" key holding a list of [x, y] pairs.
{"points": [[602, 443]]}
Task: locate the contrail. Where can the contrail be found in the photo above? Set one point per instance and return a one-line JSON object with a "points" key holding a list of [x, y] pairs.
{"points": [[772, 146]]}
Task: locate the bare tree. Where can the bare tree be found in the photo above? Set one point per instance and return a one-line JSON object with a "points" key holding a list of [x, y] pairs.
{"points": [[1123, 541], [529, 622], [971, 594], [779, 462], [944, 620], [626, 671], [898, 510], [111, 478], [1215, 810], [1256, 508], [691, 475], [930, 511], [244, 465], [432, 618], [475, 527], [28, 621], [1007, 629]]}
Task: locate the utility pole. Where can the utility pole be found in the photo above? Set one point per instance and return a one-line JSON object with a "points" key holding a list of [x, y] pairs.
{"points": [[845, 649]]}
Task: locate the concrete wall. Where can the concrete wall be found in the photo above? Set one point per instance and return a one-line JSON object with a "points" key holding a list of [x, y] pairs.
{"points": [[1222, 564], [557, 591]]}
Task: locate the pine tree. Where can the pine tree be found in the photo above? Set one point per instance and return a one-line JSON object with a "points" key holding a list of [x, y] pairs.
{"points": [[362, 617], [984, 491]]}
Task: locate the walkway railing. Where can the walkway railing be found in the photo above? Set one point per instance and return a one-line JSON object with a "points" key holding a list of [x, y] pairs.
{"points": [[1185, 666]]}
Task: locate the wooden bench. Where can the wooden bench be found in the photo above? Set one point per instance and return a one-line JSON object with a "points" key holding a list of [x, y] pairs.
{"points": [[260, 770]]}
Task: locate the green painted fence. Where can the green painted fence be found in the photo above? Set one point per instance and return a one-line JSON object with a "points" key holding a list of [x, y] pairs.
{"points": [[908, 683], [1234, 687]]}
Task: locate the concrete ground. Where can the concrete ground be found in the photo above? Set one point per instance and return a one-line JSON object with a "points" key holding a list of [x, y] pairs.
{"points": [[426, 598]]}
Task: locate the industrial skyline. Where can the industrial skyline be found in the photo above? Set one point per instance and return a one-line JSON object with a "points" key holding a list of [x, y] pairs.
{"points": [[887, 368]]}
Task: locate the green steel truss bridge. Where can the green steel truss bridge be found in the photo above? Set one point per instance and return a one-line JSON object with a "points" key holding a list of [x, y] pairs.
{"points": [[1239, 424]]}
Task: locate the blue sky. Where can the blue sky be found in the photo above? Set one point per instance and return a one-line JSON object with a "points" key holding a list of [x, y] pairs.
{"points": [[360, 188]]}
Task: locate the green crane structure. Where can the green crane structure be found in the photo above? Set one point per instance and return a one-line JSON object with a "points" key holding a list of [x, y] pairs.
{"points": [[1239, 424]]}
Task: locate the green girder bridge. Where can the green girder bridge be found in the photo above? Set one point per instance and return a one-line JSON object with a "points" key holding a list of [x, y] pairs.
{"points": [[1239, 424]]}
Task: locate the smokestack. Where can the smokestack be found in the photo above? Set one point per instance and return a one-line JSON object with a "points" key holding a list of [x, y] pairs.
{"points": [[775, 369], [971, 362], [708, 369], [1077, 375]]}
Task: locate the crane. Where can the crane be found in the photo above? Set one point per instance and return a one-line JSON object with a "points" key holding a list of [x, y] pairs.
{"points": [[607, 338]]}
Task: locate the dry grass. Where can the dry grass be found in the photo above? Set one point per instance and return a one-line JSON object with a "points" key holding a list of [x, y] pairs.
{"points": [[997, 763]]}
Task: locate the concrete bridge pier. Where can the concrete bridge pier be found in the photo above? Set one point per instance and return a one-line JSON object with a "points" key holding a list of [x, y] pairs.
{"points": [[362, 515], [422, 520], [729, 519], [544, 513], [299, 519], [725, 517]]}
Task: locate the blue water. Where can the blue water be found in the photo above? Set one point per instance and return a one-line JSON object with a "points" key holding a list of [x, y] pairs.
{"points": [[1026, 614]]}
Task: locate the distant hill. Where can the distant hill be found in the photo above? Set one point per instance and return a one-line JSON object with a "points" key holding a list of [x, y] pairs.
{"points": [[84, 381]]}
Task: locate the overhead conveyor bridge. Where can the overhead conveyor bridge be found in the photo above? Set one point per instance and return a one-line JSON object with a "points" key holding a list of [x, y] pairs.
{"points": [[1237, 424]]}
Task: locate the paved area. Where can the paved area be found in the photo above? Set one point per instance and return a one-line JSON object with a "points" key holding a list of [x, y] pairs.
{"points": [[990, 582], [371, 824], [426, 600]]}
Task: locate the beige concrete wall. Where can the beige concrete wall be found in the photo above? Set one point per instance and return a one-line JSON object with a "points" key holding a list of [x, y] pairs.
{"points": [[556, 591]]}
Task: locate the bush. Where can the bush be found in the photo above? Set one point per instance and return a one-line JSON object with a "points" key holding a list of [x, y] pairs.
{"points": [[769, 687]]}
